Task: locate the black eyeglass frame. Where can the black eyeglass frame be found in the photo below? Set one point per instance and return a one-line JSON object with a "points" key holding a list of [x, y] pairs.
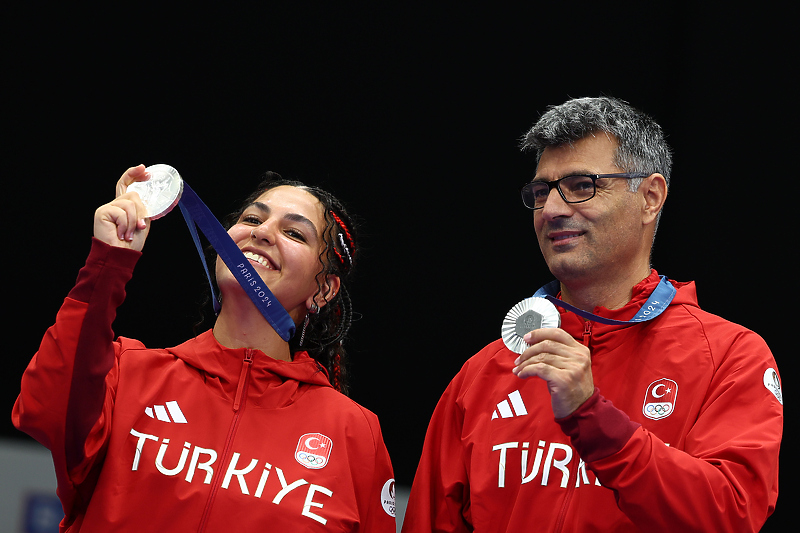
{"points": [[594, 177]]}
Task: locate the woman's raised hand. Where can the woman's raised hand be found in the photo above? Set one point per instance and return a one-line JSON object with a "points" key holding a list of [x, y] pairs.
{"points": [[123, 221]]}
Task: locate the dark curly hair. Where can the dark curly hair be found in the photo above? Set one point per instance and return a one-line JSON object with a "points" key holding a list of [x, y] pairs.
{"points": [[327, 328]]}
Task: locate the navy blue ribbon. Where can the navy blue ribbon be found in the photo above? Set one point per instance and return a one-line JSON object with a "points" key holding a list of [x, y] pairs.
{"points": [[197, 215], [659, 299]]}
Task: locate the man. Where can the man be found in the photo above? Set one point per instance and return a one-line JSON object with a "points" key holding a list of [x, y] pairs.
{"points": [[644, 414]]}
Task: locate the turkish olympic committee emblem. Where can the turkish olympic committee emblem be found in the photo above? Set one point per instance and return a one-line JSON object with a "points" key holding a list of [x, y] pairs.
{"points": [[659, 401], [313, 450]]}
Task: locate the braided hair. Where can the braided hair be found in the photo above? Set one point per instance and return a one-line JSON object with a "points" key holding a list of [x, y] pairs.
{"points": [[324, 334]]}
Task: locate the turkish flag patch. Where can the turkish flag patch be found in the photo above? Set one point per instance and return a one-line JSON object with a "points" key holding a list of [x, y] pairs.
{"points": [[660, 398], [313, 450]]}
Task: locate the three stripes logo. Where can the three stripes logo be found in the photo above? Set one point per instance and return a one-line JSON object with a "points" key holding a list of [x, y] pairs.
{"points": [[169, 412], [513, 406]]}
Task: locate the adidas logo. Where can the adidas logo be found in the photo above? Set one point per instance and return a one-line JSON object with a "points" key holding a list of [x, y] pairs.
{"points": [[169, 412], [505, 409]]}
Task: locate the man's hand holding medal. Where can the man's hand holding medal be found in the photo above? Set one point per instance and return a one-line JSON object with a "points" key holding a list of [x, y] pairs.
{"points": [[531, 329]]}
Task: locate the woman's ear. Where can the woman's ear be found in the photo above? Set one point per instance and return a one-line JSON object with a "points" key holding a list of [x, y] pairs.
{"points": [[327, 292]]}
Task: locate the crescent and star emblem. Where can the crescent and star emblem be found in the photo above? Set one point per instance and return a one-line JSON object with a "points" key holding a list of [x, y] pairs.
{"points": [[309, 446], [655, 390]]}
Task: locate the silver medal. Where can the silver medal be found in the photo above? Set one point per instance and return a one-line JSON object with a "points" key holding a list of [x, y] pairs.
{"points": [[531, 313], [161, 192]]}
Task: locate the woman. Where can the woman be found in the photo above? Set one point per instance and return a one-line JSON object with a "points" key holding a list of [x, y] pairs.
{"points": [[235, 429]]}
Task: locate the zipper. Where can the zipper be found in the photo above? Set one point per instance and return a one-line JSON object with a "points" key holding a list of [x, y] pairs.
{"points": [[573, 475], [587, 332], [238, 405], [247, 363]]}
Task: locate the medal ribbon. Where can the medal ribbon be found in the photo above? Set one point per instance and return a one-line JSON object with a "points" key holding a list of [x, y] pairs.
{"points": [[654, 306], [197, 215]]}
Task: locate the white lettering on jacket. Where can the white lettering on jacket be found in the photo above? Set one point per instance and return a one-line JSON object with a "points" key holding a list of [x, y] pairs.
{"points": [[557, 459], [203, 459]]}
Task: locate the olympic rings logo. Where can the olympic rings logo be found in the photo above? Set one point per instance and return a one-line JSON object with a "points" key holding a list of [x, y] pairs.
{"points": [[310, 459], [659, 409]]}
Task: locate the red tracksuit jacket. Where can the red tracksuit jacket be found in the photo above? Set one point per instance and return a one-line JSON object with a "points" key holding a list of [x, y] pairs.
{"points": [[197, 437], [682, 434]]}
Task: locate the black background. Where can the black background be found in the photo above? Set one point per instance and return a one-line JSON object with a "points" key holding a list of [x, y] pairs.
{"points": [[412, 117]]}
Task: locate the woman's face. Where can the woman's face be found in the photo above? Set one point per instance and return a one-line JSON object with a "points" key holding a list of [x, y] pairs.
{"points": [[280, 234]]}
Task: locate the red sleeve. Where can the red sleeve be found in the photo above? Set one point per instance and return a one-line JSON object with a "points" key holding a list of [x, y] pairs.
{"points": [[439, 499], [725, 478], [597, 429], [66, 390], [377, 502]]}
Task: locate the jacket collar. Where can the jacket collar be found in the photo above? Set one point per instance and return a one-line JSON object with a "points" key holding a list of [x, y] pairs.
{"points": [[601, 333], [273, 383]]}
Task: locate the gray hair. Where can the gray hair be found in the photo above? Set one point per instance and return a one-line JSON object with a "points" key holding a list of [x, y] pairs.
{"points": [[641, 143]]}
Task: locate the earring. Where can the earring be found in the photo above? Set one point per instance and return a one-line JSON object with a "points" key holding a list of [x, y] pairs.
{"points": [[314, 309], [303, 331]]}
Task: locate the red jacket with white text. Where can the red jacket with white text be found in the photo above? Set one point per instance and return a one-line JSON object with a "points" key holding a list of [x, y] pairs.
{"points": [[682, 434], [198, 437]]}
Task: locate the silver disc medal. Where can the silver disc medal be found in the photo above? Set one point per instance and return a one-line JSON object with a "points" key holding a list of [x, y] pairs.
{"points": [[531, 313], [161, 192]]}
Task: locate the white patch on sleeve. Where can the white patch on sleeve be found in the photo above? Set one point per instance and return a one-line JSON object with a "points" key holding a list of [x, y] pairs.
{"points": [[387, 497], [773, 383]]}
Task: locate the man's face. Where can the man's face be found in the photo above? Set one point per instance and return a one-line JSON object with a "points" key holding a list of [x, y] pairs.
{"points": [[581, 242]]}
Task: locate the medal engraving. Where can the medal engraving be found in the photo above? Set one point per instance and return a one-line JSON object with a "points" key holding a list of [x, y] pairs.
{"points": [[528, 321], [161, 192], [528, 315]]}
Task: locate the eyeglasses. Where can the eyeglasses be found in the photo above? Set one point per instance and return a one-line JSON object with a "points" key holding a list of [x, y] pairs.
{"points": [[573, 189]]}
